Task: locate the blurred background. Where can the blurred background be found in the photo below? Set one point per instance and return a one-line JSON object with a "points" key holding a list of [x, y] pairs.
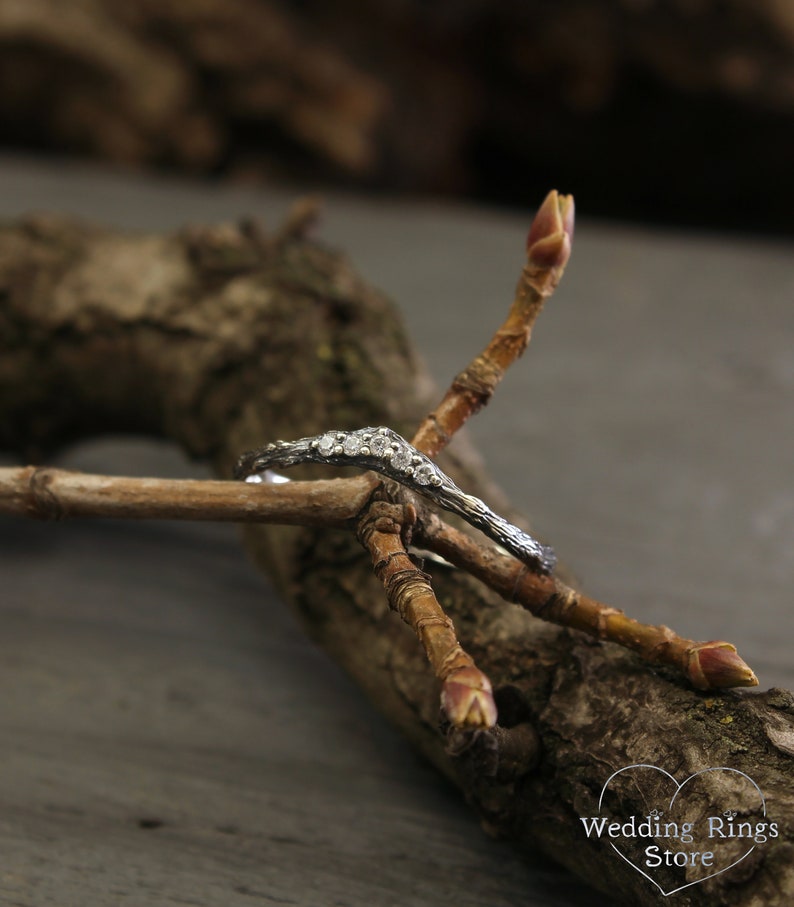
{"points": [[665, 111]]}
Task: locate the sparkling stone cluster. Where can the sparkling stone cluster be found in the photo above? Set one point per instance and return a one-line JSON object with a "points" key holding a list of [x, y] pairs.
{"points": [[378, 444]]}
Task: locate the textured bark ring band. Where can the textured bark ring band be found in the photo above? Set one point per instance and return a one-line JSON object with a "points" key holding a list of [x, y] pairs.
{"points": [[384, 451]]}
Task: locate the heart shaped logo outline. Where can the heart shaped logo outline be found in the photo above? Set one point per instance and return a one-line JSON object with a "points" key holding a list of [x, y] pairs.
{"points": [[679, 788]]}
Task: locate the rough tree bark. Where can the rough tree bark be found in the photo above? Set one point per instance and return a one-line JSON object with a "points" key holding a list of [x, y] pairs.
{"points": [[222, 338]]}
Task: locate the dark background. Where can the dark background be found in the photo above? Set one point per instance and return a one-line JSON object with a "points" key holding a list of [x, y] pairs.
{"points": [[679, 111]]}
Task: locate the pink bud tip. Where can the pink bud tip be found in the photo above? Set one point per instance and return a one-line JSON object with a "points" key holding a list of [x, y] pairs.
{"points": [[714, 665], [551, 233], [467, 699]]}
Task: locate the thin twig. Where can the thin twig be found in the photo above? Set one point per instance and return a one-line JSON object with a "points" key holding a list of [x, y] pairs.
{"points": [[466, 693], [707, 665], [548, 250], [55, 494]]}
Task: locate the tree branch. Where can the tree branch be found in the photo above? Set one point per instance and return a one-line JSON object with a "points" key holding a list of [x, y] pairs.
{"points": [[466, 693], [548, 250], [56, 494], [710, 665]]}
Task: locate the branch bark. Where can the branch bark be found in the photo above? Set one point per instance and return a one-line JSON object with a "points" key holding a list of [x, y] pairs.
{"points": [[56, 494], [195, 337]]}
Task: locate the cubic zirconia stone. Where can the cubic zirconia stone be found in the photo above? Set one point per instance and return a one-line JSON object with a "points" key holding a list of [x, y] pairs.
{"points": [[378, 445], [326, 445], [424, 474], [352, 445], [401, 458]]}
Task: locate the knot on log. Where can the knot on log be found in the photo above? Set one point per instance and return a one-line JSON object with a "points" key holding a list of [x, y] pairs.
{"points": [[492, 762], [41, 502], [479, 379], [227, 249], [386, 517]]}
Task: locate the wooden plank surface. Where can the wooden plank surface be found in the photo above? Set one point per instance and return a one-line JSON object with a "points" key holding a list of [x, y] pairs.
{"points": [[161, 709]]}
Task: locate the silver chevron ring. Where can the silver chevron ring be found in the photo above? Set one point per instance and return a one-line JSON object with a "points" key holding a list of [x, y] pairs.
{"points": [[384, 451]]}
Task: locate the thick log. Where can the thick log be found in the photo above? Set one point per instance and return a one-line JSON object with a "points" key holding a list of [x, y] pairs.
{"points": [[221, 338]]}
